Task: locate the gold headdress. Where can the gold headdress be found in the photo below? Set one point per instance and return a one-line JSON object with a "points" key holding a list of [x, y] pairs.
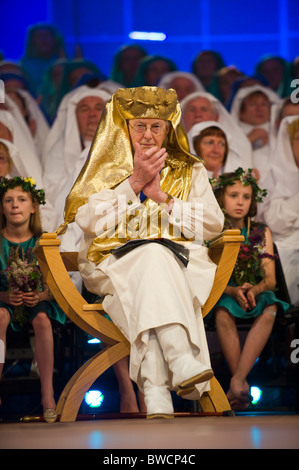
{"points": [[110, 160]]}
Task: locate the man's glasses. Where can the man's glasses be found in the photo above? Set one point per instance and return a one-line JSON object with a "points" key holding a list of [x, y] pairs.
{"points": [[141, 128]]}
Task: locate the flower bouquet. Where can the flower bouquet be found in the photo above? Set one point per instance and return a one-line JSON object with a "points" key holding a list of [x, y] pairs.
{"points": [[22, 274], [249, 267]]}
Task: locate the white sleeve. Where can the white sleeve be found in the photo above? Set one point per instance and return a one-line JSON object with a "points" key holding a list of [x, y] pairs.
{"points": [[105, 208], [200, 217], [281, 215]]}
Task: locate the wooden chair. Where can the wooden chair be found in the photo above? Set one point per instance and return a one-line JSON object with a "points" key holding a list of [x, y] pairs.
{"points": [[56, 265]]}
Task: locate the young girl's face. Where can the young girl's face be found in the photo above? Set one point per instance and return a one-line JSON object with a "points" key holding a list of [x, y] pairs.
{"points": [[17, 206], [237, 200]]}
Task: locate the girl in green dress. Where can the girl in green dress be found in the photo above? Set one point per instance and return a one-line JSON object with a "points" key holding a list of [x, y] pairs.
{"points": [[249, 293], [32, 302]]}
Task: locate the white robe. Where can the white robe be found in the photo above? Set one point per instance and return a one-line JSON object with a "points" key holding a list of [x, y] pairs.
{"points": [[34, 111], [71, 240], [63, 146], [22, 139], [42, 126], [26, 161], [261, 156], [20, 169], [280, 210], [167, 79], [234, 158], [149, 287]]}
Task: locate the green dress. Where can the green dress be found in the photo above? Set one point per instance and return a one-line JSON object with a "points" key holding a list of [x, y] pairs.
{"points": [[262, 300], [49, 306]]}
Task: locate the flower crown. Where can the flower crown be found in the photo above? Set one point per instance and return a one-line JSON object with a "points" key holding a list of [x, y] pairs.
{"points": [[27, 184], [246, 178]]}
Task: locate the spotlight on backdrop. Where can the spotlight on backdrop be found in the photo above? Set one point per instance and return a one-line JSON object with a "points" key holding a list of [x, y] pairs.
{"points": [[147, 36], [93, 340], [256, 393], [94, 398]]}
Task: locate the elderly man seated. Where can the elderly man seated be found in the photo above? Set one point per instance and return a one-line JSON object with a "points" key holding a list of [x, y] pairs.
{"points": [[145, 207]]}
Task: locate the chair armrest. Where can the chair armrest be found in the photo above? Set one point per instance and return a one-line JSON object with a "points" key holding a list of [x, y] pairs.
{"points": [[223, 251], [54, 266], [230, 235]]}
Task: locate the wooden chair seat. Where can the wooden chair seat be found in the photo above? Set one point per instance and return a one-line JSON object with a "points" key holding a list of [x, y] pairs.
{"points": [[56, 265]]}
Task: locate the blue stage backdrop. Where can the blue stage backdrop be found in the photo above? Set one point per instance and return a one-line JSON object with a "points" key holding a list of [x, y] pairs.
{"points": [[241, 31]]}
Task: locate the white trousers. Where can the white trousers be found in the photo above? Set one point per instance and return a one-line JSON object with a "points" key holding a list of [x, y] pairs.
{"points": [[149, 287]]}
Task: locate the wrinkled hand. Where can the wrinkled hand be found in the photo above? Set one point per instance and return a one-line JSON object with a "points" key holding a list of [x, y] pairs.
{"points": [[153, 189], [147, 166]]}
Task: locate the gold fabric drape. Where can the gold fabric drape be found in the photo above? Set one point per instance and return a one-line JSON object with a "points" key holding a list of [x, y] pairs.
{"points": [[110, 160]]}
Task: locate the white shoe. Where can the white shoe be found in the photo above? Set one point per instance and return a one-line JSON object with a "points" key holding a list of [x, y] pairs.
{"points": [[154, 375], [158, 402], [186, 370]]}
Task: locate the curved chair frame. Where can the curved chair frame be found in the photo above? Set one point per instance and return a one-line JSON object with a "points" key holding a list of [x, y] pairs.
{"points": [[55, 266]]}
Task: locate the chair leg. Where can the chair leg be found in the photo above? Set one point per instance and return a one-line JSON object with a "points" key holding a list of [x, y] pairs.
{"points": [[74, 391], [215, 400]]}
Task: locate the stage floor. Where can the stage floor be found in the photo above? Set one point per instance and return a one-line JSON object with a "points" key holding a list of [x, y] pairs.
{"points": [[242, 431]]}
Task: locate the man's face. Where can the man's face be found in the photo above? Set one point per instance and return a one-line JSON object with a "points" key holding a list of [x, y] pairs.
{"points": [[89, 111], [148, 132], [198, 110]]}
